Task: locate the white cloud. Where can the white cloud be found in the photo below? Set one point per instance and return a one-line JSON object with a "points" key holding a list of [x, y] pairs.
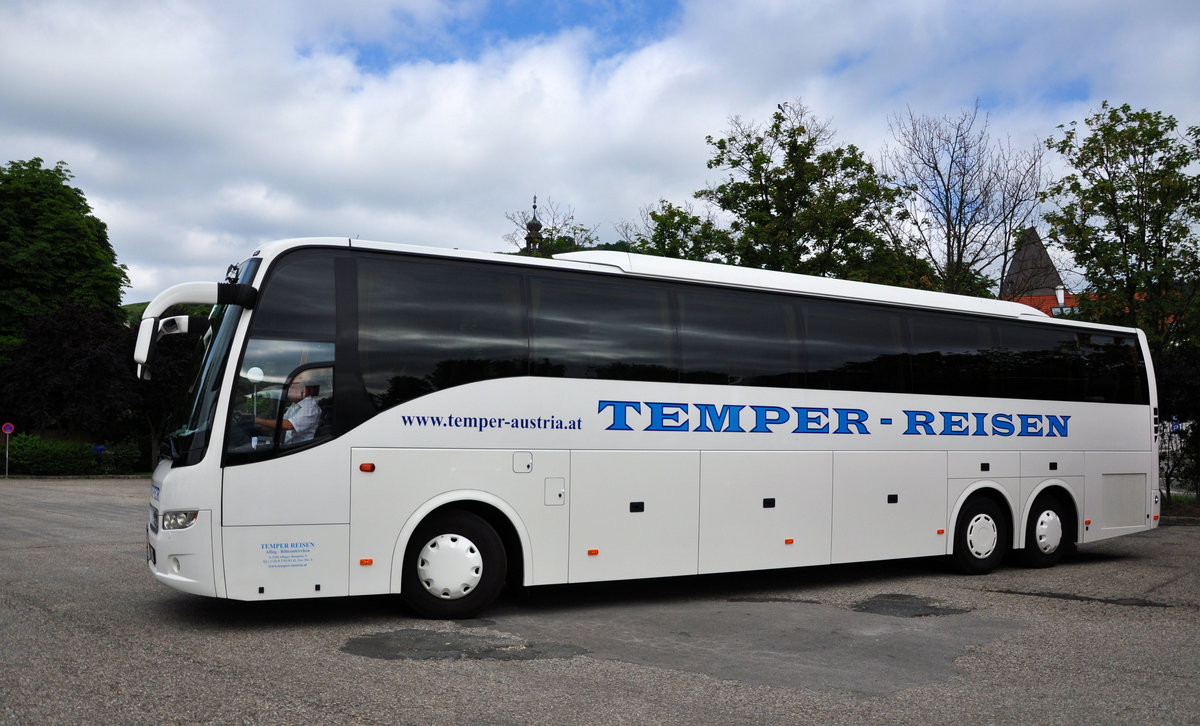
{"points": [[198, 130]]}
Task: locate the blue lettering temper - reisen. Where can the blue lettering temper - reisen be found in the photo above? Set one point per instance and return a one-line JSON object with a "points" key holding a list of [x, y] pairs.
{"points": [[727, 418]]}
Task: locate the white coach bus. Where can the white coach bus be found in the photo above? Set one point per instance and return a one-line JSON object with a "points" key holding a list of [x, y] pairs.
{"points": [[372, 418]]}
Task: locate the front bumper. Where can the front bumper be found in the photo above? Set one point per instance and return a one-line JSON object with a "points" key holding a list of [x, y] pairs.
{"points": [[183, 558]]}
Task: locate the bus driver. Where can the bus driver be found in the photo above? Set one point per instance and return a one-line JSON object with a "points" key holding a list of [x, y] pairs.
{"points": [[301, 417]]}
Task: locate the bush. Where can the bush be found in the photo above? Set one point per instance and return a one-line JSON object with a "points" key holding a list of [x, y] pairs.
{"points": [[33, 455], [122, 457]]}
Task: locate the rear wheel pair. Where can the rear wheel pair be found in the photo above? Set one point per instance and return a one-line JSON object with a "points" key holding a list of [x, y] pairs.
{"points": [[981, 535]]}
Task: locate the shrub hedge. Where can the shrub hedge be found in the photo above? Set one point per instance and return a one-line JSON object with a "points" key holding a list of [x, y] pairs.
{"points": [[33, 455]]}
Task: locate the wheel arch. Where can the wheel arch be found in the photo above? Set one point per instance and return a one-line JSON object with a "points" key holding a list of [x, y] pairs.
{"points": [[989, 490], [495, 511], [1062, 491]]}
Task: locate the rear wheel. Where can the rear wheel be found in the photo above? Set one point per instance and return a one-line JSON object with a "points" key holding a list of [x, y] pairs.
{"points": [[1046, 535], [980, 537], [454, 567]]}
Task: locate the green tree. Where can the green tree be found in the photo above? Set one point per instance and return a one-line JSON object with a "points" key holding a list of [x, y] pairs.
{"points": [[53, 251], [1128, 213], [73, 373], [65, 351], [668, 230], [798, 204]]}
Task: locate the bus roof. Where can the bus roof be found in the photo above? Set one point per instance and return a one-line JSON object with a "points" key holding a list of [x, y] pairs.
{"points": [[649, 266]]}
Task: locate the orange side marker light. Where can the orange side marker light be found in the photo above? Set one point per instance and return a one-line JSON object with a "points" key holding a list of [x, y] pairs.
{"points": [[368, 467], [366, 561], [593, 553], [941, 531], [1087, 522], [789, 541]]}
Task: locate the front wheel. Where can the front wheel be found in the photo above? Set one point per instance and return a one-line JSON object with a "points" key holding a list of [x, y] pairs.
{"points": [[454, 567], [980, 537]]}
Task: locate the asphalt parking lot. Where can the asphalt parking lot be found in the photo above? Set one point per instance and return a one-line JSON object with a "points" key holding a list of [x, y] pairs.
{"points": [[1112, 636]]}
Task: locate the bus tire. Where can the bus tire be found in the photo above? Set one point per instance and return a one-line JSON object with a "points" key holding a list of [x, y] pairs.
{"points": [[1046, 536], [454, 567], [980, 537]]}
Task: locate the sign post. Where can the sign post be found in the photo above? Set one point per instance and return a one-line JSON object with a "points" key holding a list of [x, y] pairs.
{"points": [[7, 429]]}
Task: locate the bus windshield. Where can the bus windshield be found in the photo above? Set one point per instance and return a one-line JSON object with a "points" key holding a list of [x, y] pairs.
{"points": [[188, 443]]}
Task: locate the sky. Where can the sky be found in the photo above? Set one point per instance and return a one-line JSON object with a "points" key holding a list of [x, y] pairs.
{"points": [[200, 129]]}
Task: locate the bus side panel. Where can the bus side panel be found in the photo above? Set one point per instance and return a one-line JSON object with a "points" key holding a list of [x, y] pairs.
{"points": [[307, 487], [1116, 502], [764, 509], [407, 481], [274, 563], [1043, 469], [888, 504], [634, 514]]}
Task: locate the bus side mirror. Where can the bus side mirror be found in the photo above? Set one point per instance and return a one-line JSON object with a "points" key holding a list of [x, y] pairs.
{"points": [[152, 330], [141, 349]]}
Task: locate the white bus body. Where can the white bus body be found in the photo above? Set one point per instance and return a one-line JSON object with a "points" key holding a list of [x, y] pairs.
{"points": [[610, 416]]}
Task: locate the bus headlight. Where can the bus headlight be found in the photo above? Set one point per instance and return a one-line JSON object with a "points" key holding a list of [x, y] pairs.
{"points": [[179, 520]]}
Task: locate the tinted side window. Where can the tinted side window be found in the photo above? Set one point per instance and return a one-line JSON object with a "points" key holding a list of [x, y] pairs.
{"points": [[426, 325], [587, 326], [1113, 368], [855, 347], [729, 337], [951, 354], [297, 301], [1037, 362]]}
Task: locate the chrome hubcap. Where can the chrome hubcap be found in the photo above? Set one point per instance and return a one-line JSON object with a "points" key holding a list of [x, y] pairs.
{"points": [[1048, 531], [449, 566], [982, 536]]}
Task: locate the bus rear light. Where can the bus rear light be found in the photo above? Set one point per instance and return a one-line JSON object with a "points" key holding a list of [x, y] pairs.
{"points": [[179, 520]]}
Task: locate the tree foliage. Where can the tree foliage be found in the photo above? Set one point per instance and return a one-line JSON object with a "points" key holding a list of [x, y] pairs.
{"points": [[668, 230], [158, 399], [799, 204], [967, 196], [72, 372], [1129, 213], [65, 359], [53, 251]]}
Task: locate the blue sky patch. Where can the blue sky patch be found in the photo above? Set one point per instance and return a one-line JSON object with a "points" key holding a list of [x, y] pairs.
{"points": [[616, 25]]}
